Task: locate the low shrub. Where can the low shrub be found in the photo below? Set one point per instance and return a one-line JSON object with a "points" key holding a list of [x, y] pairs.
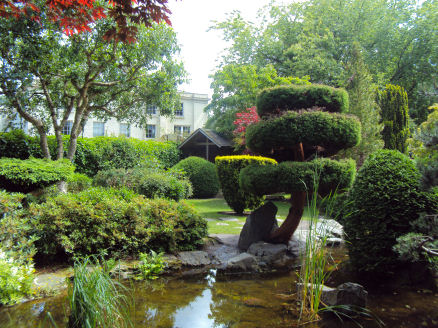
{"points": [[202, 175], [78, 182], [295, 97], [228, 168], [116, 222], [27, 175], [148, 182], [385, 198]]}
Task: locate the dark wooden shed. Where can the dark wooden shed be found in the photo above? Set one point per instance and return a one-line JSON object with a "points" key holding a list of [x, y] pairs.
{"points": [[206, 144]]}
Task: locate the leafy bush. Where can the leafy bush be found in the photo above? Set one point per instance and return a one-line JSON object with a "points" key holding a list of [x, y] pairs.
{"points": [[117, 222], [95, 154], [385, 198], [334, 131], [294, 97], [31, 174], [202, 175], [16, 279], [148, 182], [292, 176], [78, 182], [228, 168]]}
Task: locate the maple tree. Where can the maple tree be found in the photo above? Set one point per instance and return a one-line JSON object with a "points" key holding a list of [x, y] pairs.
{"points": [[244, 119], [76, 16]]}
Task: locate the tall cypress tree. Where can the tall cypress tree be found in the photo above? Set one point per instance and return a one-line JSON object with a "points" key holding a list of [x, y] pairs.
{"points": [[393, 103]]}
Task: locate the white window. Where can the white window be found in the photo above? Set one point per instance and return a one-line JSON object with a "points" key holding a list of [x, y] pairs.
{"points": [[98, 129], [181, 130], [125, 130], [150, 131], [152, 109], [66, 129], [180, 112]]}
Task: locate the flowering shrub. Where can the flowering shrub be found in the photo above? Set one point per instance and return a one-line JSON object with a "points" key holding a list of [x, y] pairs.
{"points": [[244, 119], [15, 279]]}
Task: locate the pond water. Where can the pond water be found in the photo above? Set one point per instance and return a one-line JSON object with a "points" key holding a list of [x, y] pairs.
{"points": [[217, 301]]}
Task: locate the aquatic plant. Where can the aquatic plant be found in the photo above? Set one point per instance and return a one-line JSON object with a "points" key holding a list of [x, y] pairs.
{"points": [[151, 265], [95, 299]]}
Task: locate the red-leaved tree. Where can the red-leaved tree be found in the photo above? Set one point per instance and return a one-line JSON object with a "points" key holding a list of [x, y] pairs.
{"points": [[76, 16], [244, 119]]}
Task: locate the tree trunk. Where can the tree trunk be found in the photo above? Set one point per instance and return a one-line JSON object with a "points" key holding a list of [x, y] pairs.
{"points": [[43, 142], [298, 200], [60, 145]]}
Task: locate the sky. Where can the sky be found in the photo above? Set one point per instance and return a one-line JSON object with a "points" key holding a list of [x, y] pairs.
{"points": [[200, 49]]}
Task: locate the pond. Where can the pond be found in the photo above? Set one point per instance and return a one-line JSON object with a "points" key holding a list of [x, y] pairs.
{"points": [[210, 300]]}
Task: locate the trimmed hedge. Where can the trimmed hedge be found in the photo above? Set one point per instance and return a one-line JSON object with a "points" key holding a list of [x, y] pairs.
{"points": [[297, 176], [95, 154], [18, 175], [228, 168], [148, 182], [202, 174], [385, 199], [329, 130], [275, 100], [114, 222]]}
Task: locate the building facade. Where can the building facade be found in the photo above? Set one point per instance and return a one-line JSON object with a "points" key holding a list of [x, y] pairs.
{"points": [[187, 119]]}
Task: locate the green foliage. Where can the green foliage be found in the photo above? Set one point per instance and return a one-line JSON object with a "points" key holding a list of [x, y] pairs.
{"points": [[297, 176], [334, 132], [114, 221], [16, 279], [95, 299], [96, 154], [145, 181], [78, 182], [151, 265], [285, 98], [202, 175], [31, 174], [393, 102], [228, 168], [385, 198]]}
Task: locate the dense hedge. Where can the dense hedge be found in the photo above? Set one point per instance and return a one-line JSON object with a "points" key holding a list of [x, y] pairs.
{"points": [[114, 222], [329, 130], [295, 97], [385, 199], [94, 154], [298, 176], [228, 168], [152, 183], [31, 174], [202, 174]]}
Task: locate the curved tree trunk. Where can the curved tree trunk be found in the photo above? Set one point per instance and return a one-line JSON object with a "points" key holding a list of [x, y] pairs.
{"points": [[298, 200]]}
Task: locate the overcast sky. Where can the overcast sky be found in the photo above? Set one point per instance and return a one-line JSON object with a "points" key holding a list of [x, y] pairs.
{"points": [[201, 49]]}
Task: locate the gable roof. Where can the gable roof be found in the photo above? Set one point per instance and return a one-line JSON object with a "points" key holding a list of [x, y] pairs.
{"points": [[211, 135]]}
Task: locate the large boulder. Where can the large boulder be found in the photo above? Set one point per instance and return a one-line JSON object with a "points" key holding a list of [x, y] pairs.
{"points": [[268, 253], [258, 226], [243, 262]]}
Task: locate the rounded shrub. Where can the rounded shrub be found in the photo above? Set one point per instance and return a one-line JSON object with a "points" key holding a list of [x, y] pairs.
{"points": [[228, 168], [384, 199], [78, 182], [116, 222], [202, 174]]}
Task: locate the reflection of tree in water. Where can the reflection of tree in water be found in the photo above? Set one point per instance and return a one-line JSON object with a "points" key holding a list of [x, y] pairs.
{"points": [[232, 306], [157, 302]]}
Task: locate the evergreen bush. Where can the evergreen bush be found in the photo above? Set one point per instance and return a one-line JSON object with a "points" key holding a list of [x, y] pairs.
{"points": [[116, 222], [228, 168], [18, 175], [385, 198], [202, 175]]}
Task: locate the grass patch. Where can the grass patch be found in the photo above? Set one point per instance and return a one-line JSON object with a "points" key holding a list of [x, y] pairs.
{"points": [[220, 223]]}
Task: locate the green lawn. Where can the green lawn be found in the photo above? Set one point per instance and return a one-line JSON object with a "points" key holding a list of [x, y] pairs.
{"points": [[229, 223]]}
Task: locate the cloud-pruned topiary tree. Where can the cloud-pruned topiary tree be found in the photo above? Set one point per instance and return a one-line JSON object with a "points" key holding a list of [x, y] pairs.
{"points": [[393, 102], [300, 124]]}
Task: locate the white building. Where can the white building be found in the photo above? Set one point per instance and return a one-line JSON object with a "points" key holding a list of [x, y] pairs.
{"points": [[190, 117]]}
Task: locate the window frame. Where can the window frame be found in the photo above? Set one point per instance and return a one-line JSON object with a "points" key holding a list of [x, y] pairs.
{"points": [[154, 131], [94, 129]]}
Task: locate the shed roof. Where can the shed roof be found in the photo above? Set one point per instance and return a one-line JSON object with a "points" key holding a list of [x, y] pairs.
{"points": [[215, 138]]}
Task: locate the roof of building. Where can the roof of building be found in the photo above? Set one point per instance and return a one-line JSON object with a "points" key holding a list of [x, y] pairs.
{"points": [[211, 135]]}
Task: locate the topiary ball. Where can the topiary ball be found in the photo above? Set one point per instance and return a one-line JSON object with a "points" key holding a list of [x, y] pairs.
{"points": [[385, 198], [202, 174]]}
